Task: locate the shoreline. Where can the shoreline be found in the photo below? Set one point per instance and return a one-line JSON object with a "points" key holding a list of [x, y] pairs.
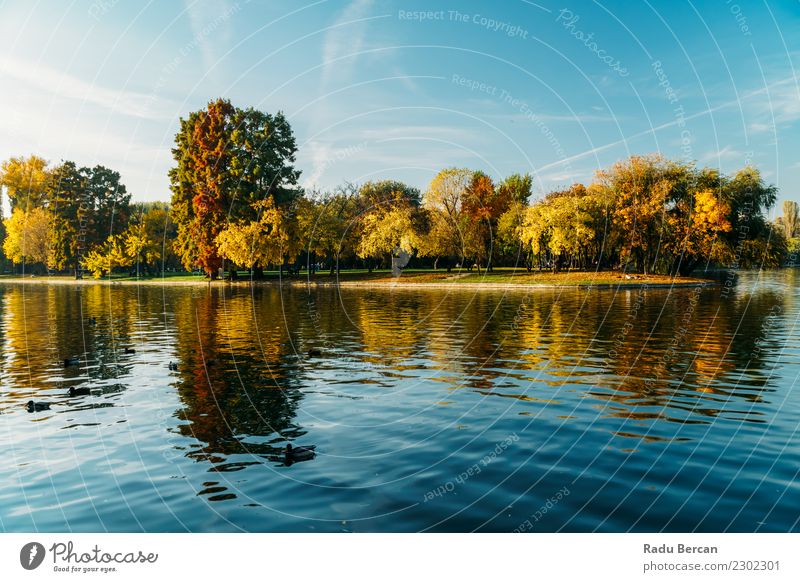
{"points": [[376, 284]]}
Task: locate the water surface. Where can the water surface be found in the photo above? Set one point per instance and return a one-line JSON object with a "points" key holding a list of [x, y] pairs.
{"points": [[432, 410]]}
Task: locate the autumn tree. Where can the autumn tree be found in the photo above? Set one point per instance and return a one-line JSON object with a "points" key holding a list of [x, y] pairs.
{"points": [[790, 221], [28, 236], [447, 237], [561, 229], [389, 231], [261, 241], [229, 161], [389, 220], [329, 224], [149, 237], [109, 256], [695, 226], [641, 188], [25, 180]]}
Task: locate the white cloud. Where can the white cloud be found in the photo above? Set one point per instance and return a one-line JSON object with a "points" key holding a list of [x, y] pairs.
{"points": [[761, 127], [63, 85], [726, 153], [346, 36], [211, 27]]}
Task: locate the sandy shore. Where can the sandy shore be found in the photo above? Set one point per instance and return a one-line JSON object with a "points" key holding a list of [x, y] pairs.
{"points": [[379, 284]]}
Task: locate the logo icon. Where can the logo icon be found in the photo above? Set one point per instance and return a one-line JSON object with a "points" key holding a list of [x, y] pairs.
{"points": [[31, 555]]}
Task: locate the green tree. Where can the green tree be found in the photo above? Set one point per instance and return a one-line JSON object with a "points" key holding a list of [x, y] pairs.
{"points": [[64, 194], [105, 205], [228, 162], [516, 188]]}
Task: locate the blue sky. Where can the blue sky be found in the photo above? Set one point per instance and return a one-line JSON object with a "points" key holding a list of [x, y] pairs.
{"points": [[374, 89]]}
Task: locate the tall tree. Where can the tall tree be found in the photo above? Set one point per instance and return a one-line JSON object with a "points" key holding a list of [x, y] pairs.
{"points": [[791, 219], [65, 193], [448, 236], [106, 207], [262, 161], [228, 162], [516, 188], [641, 188]]}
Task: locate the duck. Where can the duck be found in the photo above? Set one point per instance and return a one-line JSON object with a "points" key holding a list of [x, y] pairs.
{"points": [[73, 361], [37, 406], [173, 366], [92, 321], [294, 454], [130, 351], [79, 391], [314, 352]]}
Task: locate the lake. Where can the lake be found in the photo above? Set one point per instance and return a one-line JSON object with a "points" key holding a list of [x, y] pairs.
{"points": [[431, 410]]}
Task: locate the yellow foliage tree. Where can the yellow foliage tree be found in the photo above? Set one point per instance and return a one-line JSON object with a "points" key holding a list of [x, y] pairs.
{"points": [[109, 256], [28, 236], [388, 231], [696, 224], [25, 180], [264, 241]]}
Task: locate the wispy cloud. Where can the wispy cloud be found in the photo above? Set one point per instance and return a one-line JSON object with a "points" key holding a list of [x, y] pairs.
{"points": [[780, 107], [777, 103], [63, 85], [346, 36], [211, 27], [726, 153], [442, 132]]}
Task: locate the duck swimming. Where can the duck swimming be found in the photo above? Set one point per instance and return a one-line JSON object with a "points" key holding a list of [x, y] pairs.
{"points": [[173, 366], [73, 361], [295, 454], [37, 406], [130, 351], [79, 391], [314, 352]]}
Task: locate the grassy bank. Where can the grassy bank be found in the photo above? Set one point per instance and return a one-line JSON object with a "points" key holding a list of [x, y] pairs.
{"points": [[499, 278]]}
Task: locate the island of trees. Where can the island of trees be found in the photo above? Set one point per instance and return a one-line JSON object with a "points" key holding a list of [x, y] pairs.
{"points": [[236, 204]]}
